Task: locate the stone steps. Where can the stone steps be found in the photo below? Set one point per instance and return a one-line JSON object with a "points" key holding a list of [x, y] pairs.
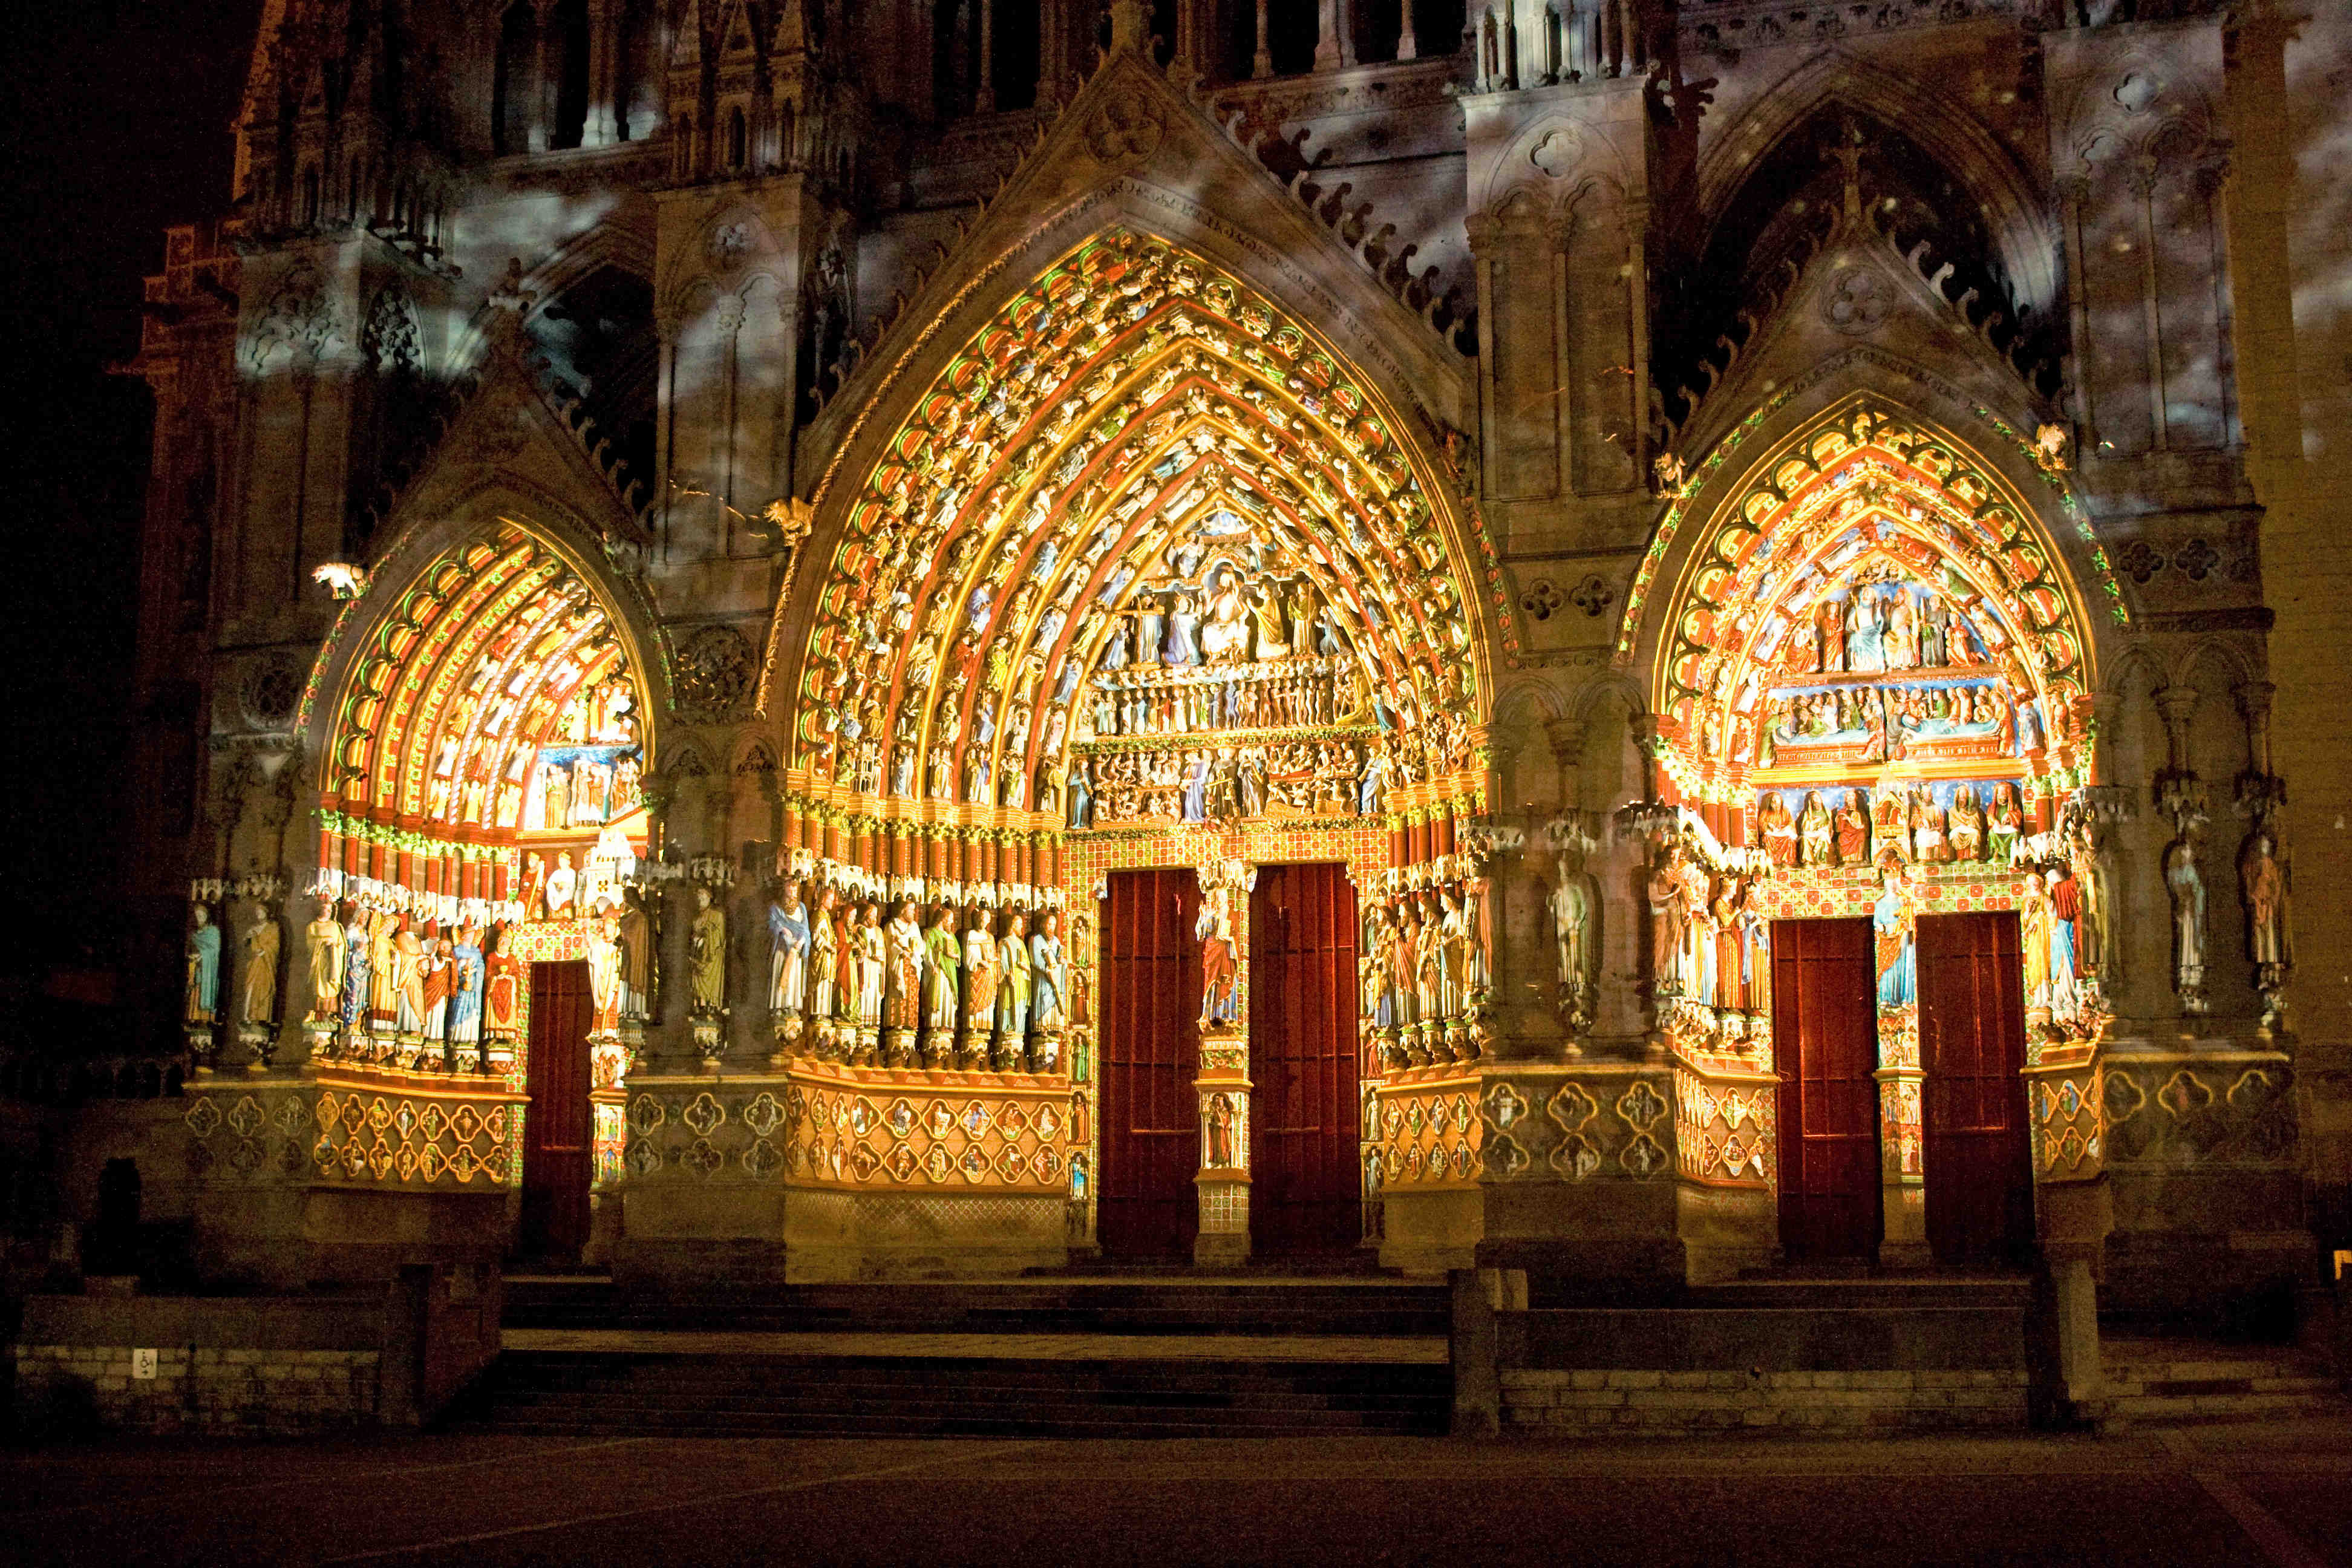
{"points": [[1050, 1358], [1363, 1309], [2178, 1382], [915, 1396]]}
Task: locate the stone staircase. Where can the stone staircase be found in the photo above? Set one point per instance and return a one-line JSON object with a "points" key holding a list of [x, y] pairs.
{"points": [[1046, 1358], [2176, 1381]]}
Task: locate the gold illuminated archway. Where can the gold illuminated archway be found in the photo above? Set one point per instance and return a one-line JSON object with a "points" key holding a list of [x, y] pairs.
{"points": [[1138, 460], [1872, 597], [493, 703]]}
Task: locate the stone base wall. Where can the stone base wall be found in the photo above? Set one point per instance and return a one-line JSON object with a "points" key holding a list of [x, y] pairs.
{"points": [[194, 1389], [258, 1365], [1681, 1404]]}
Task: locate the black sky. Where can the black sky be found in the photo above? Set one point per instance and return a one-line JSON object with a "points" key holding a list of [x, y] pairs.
{"points": [[117, 115]]}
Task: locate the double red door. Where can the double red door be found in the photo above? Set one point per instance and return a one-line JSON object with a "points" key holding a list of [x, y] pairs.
{"points": [[1974, 1145], [1146, 1204], [1825, 1049], [1304, 1135], [559, 1125]]}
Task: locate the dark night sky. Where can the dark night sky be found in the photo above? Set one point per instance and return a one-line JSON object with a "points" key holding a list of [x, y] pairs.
{"points": [[117, 115]]}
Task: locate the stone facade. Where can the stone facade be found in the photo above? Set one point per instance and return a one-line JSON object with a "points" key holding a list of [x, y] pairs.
{"points": [[744, 418]]}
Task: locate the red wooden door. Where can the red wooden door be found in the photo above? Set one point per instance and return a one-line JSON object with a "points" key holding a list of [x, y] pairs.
{"points": [[1146, 1204], [1304, 1137], [1825, 1047], [559, 1125], [1977, 1151]]}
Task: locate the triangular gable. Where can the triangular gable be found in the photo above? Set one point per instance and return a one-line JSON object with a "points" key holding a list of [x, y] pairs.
{"points": [[1135, 146], [509, 431], [1856, 290]]}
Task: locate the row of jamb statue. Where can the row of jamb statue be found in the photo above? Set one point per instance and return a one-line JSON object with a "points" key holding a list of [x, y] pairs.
{"points": [[847, 986]]}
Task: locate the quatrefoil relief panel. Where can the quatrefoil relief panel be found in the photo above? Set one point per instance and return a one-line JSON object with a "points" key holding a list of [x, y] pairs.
{"points": [[704, 1115]]}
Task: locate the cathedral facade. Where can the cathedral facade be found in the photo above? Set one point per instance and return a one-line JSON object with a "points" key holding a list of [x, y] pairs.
{"points": [[835, 638]]}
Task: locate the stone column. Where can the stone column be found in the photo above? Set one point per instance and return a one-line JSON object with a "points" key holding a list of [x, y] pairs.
{"points": [[545, 77], [1637, 301], [984, 95], [602, 128]]}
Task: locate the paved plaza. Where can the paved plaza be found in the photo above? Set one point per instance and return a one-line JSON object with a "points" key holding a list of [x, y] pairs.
{"points": [[2239, 1495]]}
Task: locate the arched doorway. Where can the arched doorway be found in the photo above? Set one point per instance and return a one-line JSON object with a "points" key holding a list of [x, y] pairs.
{"points": [[480, 832], [1876, 890], [1148, 649]]}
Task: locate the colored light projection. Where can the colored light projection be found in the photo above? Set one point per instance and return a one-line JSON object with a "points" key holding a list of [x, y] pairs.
{"points": [[1145, 554], [1874, 609], [492, 711]]}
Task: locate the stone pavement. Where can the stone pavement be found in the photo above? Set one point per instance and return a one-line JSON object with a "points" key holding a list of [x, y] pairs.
{"points": [[2244, 1496]]}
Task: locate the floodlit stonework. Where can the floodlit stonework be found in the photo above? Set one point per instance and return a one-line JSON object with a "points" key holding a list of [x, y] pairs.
{"points": [[807, 640]]}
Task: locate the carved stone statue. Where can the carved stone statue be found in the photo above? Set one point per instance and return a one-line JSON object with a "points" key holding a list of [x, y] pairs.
{"points": [[2183, 881], [323, 937], [1014, 980], [203, 989], [2101, 941], [1223, 1120], [638, 958], [1572, 934], [261, 943], [707, 953], [908, 951], [942, 984], [873, 963], [604, 970], [1666, 929], [825, 955], [978, 981], [1220, 964], [1049, 973], [788, 937], [2264, 890]]}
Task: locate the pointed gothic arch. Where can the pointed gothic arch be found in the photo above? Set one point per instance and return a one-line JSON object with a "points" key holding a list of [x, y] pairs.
{"points": [[487, 659], [1860, 579], [1134, 434]]}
